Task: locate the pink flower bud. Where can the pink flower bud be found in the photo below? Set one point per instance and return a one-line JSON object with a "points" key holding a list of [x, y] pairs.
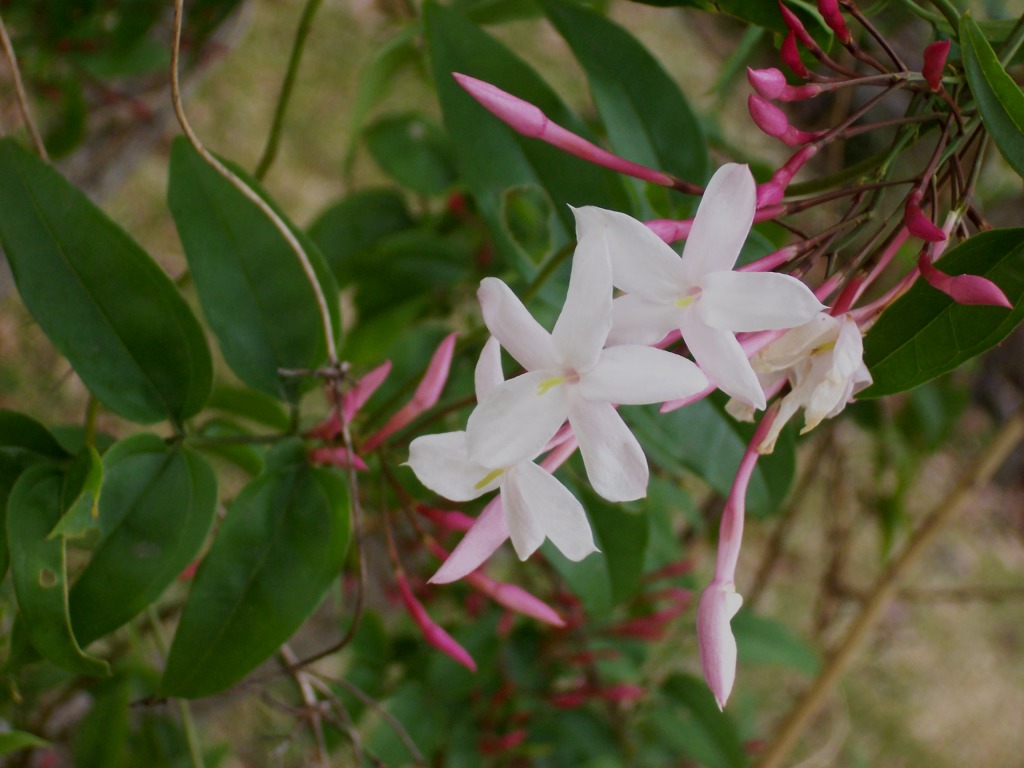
{"points": [[771, 84], [963, 289], [445, 519], [773, 190], [715, 641], [426, 395], [356, 397], [829, 10], [432, 633], [797, 27], [337, 456], [773, 121], [917, 223], [934, 62], [790, 55], [527, 119]]}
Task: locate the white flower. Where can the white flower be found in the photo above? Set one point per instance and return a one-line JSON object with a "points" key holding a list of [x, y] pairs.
{"points": [[570, 375], [699, 294], [535, 504], [824, 363]]}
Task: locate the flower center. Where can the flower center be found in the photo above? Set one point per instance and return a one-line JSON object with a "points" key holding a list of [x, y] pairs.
{"points": [[691, 295], [488, 478], [547, 385]]}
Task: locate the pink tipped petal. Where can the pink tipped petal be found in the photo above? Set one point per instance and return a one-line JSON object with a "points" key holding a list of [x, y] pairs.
{"points": [[488, 375], [586, 317], [542, 503], [635, 320], [432, 632], [515, 599], [514, 327], [614, 460], [670, 230], [722, 222], [481, 541], [641, 262], [356, 398], [964, 289], [716, 643], [517, 419], [637, 375], [723, 361], [755, 301], [442, 464], [829, 10], [790, 55], [934, 62]]}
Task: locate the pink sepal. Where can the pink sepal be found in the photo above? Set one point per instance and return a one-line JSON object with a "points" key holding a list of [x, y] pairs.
{"points": [[934, 62], [432, 632], [963, 289]]}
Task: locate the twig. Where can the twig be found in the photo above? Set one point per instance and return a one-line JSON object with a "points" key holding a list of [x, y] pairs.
{"points": [[195, 751], [19, 90], [274, 138], [885, 590], [310, 702]]}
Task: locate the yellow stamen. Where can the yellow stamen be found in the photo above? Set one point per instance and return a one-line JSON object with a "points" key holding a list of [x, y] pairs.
{"points": [[685, 301], [488, 478], [547, 384], [824, 347]]}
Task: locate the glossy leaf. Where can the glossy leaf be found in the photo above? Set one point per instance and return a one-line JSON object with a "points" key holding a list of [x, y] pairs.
{"points": [[925, 333], [156, 509], [1000, 100], [491, 156], [39, 570], [413, 151], [102, 301], [251, 405], [646, 115], [281, 545], [23, 432], [622, 538], [763, 641], [704, 439], [81, 496], [708, 735], [251, 284]]}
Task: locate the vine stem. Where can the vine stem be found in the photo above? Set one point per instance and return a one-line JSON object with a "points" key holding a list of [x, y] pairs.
{"points": [[274, 138], [19, 90], [886, 589], [245, 189]]}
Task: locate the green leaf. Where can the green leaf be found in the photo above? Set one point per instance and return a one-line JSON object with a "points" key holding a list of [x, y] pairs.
{"points": [[39, 570], [763, 641], [281, 545], [760, 12], [1000, 100], [14, 741], [253, 289], [622, 537], [10, 470], [704, 439], [247, 457], [251, 405], [100, 736], [646, 115], [925, 333], [708, 735], [23, 432], [81, 496], [491, 156], [412, 150], [102, 301], [156, 509], [350, 227]]}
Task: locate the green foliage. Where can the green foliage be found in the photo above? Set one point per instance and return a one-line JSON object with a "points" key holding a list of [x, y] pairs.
{"points": [[413, 150], [99, 297], [925, 333]]}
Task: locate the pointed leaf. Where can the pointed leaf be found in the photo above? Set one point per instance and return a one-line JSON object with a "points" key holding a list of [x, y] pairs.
{"points": [[23, 432], [763, 641], [157, 507], [647, 117], [1000, 100], [39, 570], [81, 496], [709, 736], [98, 296], [925, 333], [251, 284], [281, 545], [412, 150], [622, 537]]}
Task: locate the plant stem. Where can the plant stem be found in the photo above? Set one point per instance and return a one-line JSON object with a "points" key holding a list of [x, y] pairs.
{"points": [[885, 590], [19, 90], [274, 138]]}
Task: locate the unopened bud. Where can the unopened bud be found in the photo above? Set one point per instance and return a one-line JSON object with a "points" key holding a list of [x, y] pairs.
{"points": [[917, 223], [773, 121], [797, 27], [963, 289], [934, 62], [715, 641], [829, 10], [771, 84], [790, 55], [773, 190]]}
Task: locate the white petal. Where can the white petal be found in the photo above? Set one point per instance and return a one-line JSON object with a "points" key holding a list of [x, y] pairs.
{"points": [[636, 320], [442, 463], [722, 359], [755, 301], [796, 344], [641, 261], [722, 223], [514, 327], [614, 460], [516, 420], [636, 375], [538, 506], [791, 403], [488, 375], [848, 353], [586, 317]]}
